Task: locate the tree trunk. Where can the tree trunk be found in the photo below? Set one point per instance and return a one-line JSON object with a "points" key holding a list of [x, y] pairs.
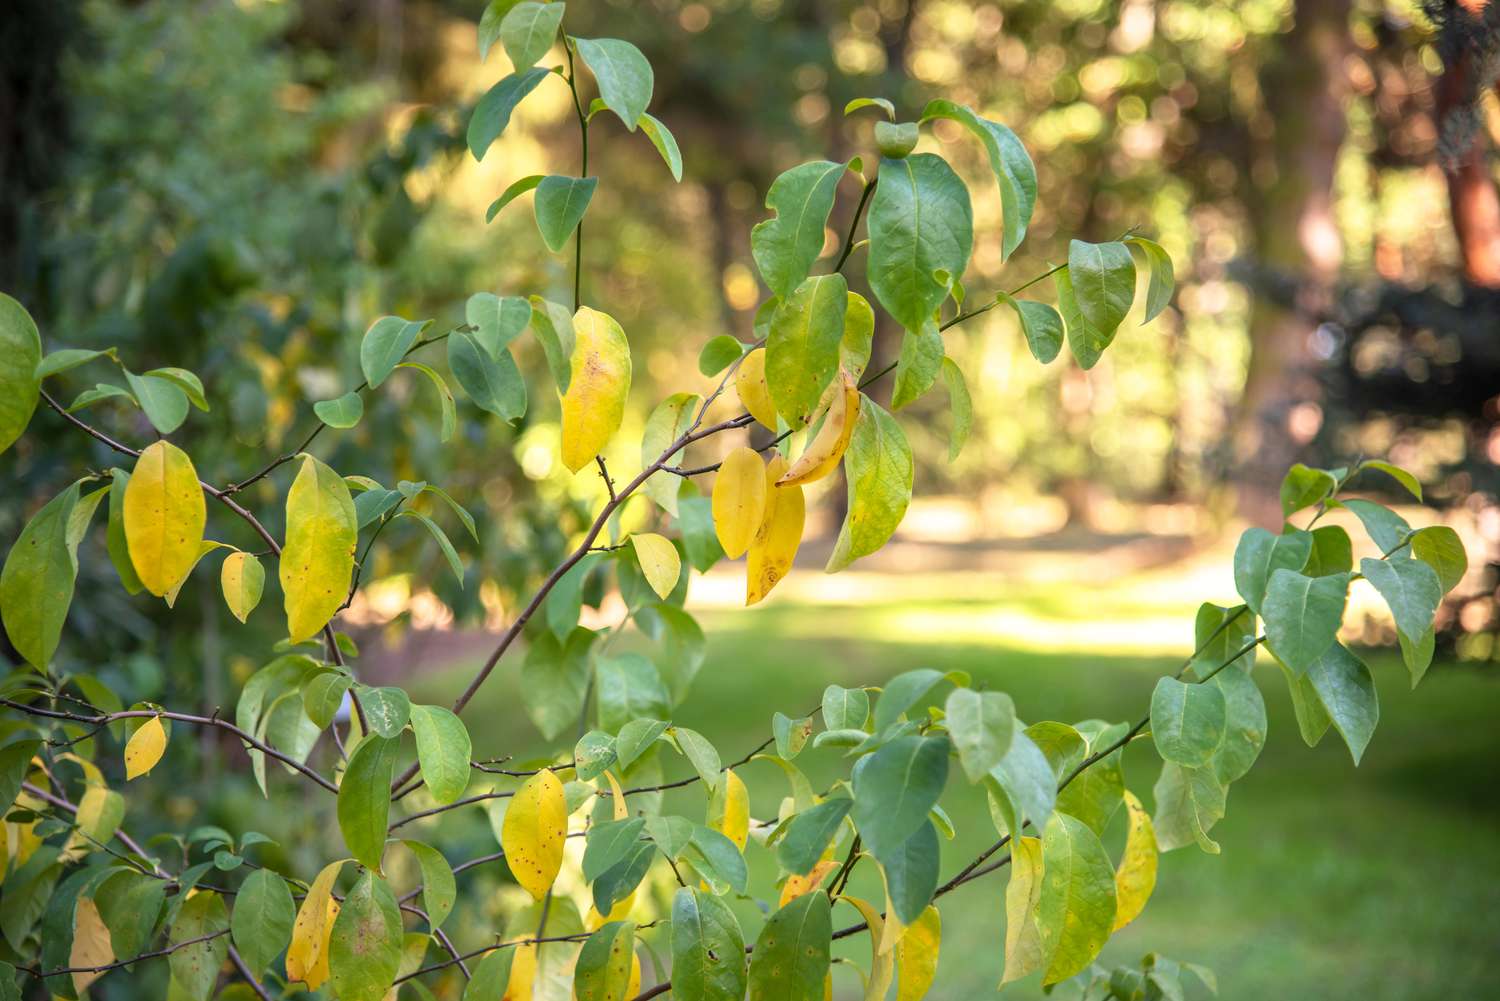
{"points": [[1473, 199], [1296, 235]]}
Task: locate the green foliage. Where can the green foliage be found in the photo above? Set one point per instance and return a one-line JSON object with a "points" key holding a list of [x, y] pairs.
{"points": [[1063, 783]]}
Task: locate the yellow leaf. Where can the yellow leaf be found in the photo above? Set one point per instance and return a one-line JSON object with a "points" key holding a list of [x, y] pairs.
{"points": [[729, 809], [633, 987], [918, 955], [522, 974], [617, 798], [659, 562], [204, 548], [1023, 938], [242, 579], [594, 404], [795, 886], [145, 748], [739, 500], [91, 945], [755, 394], [318, 561], [776, 540], [620, 912], [164, 516], [882, 964], [536, 823], [1136, 877], [823, 453], [306, 955]]}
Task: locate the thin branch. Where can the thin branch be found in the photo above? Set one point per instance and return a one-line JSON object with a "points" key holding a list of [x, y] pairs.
{"points": [[157, 954], [244, 971], [864, 197]]}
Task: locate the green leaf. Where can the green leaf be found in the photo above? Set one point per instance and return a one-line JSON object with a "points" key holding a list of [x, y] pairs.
{"points": [[458, 509], [1384, 526], [1027, 782], [1163, 278], [445, 398], [718, 860], [1440, 548], [119, 552], [911, 873], [443, 751], [553, 326], [64, 359], [602, 972], [845, 708], [364, 948], [1216, 640], [1303, 487], [1332, 552], [184, 380], [1014, 172], [628, 687], [623, 74], [708, 948], [565, 603], [492, 380], [1077, 908], [322, 695], [1040, 323], [902, 693], [1096, 794], [554, 678], [385, 344], [961, 405], [896, 139], [340, 412], [1259, 554], [513, 191], [981, 725], [387, 710], [529, 30], [1303, 615], [696, 521], [492, 113], [445, 545], [879, 469], [100, 811], [20, 354], [871, 102], [130, 902], [364, 802], [1103, 279], [718, 354], [594, 752], [101, 391], [790, 734], [895, 787], [608, 844], [809, 833], [791, 956], [666, 144], [439, 890], [1401, 476], [1244, 724], [1312, 718], [1417, 653], [786, 245], [1187, 721], [636, 738], [491, 977], [261, 925], [668, 422], [36, 582], [1347, 691], [489, 24], [497, 320], [559, 206], [1411, 590], [917, 365], [163, 401], [682, 651], [620, 880], [700, 754], [802, 351], [1086, 341], [195, 968], [1189, 801], [920, 221]]}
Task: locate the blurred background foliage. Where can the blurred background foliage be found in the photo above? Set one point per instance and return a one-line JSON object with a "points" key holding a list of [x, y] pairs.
{"points": [[240, 187]]}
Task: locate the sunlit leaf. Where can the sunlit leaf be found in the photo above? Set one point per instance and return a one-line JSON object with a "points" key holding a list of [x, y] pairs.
{"points": [[594, 403], [536, 824], [317, 562]]}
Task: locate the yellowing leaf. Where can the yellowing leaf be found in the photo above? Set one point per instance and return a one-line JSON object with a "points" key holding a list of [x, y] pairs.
{"points": [[659, 562], [1023, 937], [594, 404], [91, 945], [633, 986], [729, 809], [164, 516], [795, 886], [739, 500], [776, 540], [621, 811], [823, 453], [882, 965], [1136, 876], [318, 561], [918, 955], [755, 394], [204, 548], [307, 955], [522, 974], [536, 824], [242, 579], [145, 748], [619, 912]]}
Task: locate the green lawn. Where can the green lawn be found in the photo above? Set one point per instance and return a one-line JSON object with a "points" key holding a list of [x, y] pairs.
{"points": [[1334, 882]]}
